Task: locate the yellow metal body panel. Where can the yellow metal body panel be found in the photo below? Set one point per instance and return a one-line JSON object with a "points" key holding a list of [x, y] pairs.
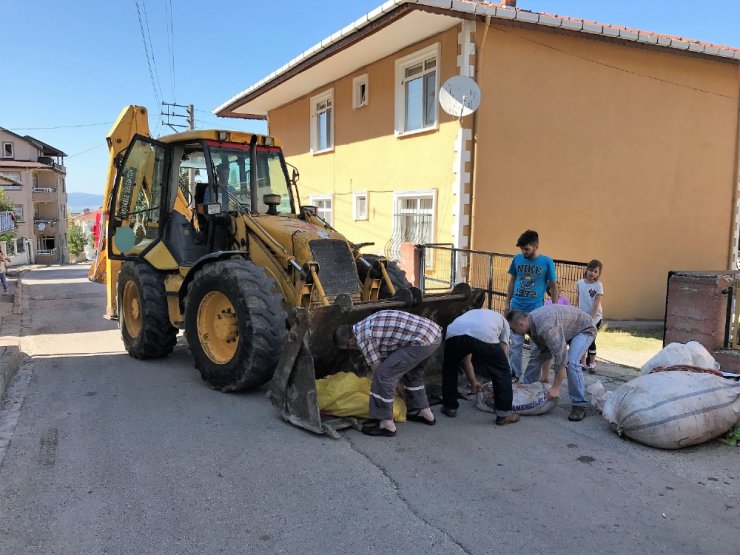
{"points": [[172, 285]]}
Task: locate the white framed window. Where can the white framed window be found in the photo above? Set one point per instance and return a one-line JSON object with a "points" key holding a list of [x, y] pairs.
{"points": [[322, 122], [416, 91], [18, 210], [8, 150], [359, 206], [359, 91], [324, 207], [414, 219]]}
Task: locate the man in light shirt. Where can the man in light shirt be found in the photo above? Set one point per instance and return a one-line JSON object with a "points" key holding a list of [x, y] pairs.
{"points": [[480, 339]]}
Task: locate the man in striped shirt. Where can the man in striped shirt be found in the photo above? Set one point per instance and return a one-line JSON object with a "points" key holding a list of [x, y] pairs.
{"points": [[394, 344], [552, 328]]}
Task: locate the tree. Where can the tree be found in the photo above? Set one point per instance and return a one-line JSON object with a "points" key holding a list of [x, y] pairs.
{"points": [[5, 203], [75, 238]]}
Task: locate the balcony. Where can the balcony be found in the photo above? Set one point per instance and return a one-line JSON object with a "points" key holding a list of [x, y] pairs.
{"points": [[45, 227], [49, 161], [44, 194], [47, 256]]}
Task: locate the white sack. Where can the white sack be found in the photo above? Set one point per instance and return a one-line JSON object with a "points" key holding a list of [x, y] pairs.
{"points": [[596, 395], [673, 354], [673, 409], [529, 399], [701, 357]]}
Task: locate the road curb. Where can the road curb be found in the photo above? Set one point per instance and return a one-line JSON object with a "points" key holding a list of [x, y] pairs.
{"points": [[10, 329]]}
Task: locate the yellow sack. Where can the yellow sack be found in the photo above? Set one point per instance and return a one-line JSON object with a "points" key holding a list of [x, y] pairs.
{"points": [[347, 394]]}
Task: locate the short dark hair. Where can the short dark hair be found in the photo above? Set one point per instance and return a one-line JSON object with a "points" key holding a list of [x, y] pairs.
{"points": [[529, 237], [516, 316], [342, 335]]}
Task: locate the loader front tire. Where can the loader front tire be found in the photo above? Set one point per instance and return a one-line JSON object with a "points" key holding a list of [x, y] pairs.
{"points": [[234, 324], [397, 275], [142, 306]]}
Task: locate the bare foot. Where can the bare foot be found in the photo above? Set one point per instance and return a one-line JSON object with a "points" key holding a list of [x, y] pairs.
{"points": [[427, 413], [388, 425]]}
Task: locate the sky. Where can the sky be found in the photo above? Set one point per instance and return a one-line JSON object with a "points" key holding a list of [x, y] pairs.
{"points": [[70, 67]]}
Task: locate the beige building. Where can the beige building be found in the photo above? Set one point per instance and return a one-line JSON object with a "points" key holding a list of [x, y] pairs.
{"points": [[34, 181], [613, 143]]}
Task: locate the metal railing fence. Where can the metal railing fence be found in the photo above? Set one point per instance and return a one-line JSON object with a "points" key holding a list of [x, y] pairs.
{"points": [[443, 266], [732, 314]]}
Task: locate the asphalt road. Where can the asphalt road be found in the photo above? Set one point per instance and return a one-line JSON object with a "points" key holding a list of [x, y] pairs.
{"points": [[108, 454]]}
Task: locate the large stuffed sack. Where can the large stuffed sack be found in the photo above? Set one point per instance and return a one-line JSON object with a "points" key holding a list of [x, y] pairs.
{"points": [[675, 354], [671, 410], [347, 394], [529, 399]]}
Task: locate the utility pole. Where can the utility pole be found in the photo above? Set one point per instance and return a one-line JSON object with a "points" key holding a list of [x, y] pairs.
{"points": [[171, 113], [191, 116]]}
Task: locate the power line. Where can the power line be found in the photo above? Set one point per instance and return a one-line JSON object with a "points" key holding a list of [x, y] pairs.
{"points": [[58, 126], [85, 151], [157, 96], [189, 114], [171, 37], [151, 48]]}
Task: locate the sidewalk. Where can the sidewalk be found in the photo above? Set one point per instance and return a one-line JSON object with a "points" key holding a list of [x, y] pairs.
{"points": [[10, 328]]}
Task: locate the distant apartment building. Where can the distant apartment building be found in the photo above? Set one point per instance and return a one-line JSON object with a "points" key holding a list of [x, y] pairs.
{"points": [[33, 177]]}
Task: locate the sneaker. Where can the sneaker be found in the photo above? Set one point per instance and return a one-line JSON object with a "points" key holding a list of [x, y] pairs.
{"points": [[577, 413], [504, 420], [591, 368], [514, 379]]}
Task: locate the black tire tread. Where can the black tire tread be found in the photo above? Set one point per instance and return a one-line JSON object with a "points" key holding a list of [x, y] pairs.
{"points": [[258, 353], [158, 336], [397, 275]]}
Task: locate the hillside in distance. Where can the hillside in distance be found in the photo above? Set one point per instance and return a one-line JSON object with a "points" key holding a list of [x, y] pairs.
{"points": [[77, 202]]}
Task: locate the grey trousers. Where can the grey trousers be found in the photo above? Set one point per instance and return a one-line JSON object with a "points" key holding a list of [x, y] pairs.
{"points": [[403, 364]]}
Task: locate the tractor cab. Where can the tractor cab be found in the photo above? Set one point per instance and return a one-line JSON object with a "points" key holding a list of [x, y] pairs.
{"points": [[182, 189]]}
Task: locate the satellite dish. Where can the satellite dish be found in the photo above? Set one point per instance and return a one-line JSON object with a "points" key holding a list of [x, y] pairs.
{"points": [[459, 96], [42, 226]]}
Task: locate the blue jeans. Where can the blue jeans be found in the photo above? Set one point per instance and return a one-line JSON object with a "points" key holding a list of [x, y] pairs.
{"points": [[576, 385], [4, 281], [515, 354]]}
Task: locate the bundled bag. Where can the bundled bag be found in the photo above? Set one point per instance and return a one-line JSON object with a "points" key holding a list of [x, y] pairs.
{"points": [[347, 394], [596, 395], [529, 399], [675, 354], [673, 409]]}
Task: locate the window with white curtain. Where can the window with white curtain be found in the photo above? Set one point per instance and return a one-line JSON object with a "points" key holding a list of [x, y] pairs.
{"points": [[416, 90], [322, 122]]}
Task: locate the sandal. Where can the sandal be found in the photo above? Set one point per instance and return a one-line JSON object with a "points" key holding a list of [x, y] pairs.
{"points": [[374, 429], [416, 417]]}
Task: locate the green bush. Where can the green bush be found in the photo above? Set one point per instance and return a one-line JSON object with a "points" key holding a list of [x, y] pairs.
{"points": [[75, 238]]}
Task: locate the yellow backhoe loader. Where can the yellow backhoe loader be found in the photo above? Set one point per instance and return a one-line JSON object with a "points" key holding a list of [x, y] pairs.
{"points": [[204, 231]]}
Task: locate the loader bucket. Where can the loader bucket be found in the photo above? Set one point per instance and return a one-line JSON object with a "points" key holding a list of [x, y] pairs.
{"points": [[309, 351]]}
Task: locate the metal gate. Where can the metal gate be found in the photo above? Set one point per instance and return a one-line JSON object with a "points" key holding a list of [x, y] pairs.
{"points": [[443, 266]]}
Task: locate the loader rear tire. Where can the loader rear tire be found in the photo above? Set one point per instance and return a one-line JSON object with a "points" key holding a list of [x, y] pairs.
{"points": [[143, 315], [234, 325], [397, 275]]}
